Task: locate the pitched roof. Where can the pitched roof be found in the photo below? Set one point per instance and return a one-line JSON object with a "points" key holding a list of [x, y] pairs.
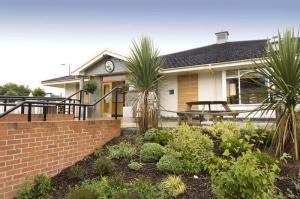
{"points": [[216, 53], [61, 79]]}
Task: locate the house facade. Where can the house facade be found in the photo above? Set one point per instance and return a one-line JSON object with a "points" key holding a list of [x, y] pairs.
{"points": [[219, 72]]}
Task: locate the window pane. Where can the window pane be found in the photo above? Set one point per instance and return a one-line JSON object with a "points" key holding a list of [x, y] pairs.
{"points": [[232, 91], [252, 89]]}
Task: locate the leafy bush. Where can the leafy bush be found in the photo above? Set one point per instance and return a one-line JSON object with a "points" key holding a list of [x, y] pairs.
{"points": [[41, 187], [38, 92], [98, 152], [151, 152], [250, 176], [75, 172], [150, 135], [90, 86], [223, 128], [123, 150], [173, 186], [235, 146], [83, 192], [143, 188], [257, 136], [103, 166], [170, 164], [193, 149], [161, 137], [135, 166]]}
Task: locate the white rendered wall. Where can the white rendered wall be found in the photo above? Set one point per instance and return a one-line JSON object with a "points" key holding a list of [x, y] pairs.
{"points": [[70, 89], [168, 101]]}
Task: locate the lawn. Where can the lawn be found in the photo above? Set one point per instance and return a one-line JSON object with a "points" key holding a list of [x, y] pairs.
{"points": [[221, 161]]}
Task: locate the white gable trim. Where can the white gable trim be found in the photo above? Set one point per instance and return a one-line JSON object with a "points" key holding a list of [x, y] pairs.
{"points": [[96, 59]]}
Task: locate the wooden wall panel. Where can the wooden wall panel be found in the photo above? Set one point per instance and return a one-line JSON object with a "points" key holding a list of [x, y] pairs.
{"points": [[187, 90]]}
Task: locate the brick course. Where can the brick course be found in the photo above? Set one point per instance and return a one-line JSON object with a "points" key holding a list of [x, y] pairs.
{"points": [[28, 149], [36, 117]]}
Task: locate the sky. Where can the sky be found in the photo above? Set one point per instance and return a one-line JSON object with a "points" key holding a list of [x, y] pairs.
{"points": [[37, 36]]}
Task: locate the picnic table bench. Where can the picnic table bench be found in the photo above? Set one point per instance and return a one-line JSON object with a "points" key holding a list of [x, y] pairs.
{"points": [[216, 115]]}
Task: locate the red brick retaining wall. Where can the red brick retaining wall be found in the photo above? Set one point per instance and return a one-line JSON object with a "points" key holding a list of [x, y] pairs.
{"points": [[36, 117], [28, 149]]}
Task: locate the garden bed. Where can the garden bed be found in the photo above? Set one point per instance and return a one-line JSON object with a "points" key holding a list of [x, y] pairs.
{"points": [[197, 185]]}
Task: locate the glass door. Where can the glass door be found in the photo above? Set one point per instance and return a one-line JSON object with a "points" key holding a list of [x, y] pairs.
{"points": [[106, 104]]}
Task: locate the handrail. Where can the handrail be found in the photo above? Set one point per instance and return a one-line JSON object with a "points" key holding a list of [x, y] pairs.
{"points": [[46, 104], [112, 90], [68, 98], [29, 97]]}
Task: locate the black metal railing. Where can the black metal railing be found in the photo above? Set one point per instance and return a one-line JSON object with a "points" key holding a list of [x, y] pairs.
{"points": [[46, 102]]}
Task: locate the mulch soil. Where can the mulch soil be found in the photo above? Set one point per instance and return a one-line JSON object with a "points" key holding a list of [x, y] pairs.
{"points": [[196, 187]]}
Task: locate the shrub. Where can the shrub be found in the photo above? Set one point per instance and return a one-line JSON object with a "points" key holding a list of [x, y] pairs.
{"points": [[235, 146], [41, 187], [151, 152], [150, 135], [90, 86], [193, 149], [98, 152], [135, 166], [161, 137], [83, 192], [103, 166], [170, 164], [224, 128], [257, 136], [143, 188], [100, 186], [122, 151], [75, 172], [173, 186], [251, 175]]}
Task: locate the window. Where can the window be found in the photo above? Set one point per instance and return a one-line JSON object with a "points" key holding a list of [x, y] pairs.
{"points": [[244, 87]]}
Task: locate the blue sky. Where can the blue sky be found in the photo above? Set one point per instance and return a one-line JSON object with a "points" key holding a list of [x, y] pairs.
{"points": [[36, 36]]}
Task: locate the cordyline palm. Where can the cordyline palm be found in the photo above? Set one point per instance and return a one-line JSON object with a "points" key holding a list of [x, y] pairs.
{"points": [[281, 67], [144, 64]]}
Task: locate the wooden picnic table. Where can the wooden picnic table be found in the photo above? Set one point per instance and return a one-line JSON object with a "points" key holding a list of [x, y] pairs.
{"points": [[189, 113]]}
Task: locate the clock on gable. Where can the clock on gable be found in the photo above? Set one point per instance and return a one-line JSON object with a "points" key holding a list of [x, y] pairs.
{"points": [[109, 66]]}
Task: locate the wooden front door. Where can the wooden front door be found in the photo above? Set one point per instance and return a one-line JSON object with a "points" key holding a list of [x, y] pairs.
{"points": [[106, 104], [187, 90]]}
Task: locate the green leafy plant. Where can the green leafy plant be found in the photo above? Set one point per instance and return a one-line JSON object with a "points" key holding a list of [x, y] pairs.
{"points": [[103, 166], [135, 166], [150, 134], [223, 128], [250, 176], [235, 146], [98, 152], [83, 192], [38, 92], [41, 187], [257, 136], [123, 150], [143, 188], [144, 65], [281, 66], [151, 152], [161, 136], [173, 186], [170, 164], [90, 86], [193, 149], [75, 172]]}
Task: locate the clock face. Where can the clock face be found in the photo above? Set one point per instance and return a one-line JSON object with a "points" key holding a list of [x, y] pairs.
{"points": [[109, 66]]}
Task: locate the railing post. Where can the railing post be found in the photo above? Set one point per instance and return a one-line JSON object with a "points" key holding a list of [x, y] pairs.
{"points": [[29, 112], [116, 104], [45, 112], [69, 110], [5, 101], [22, 107], [74, 102], [84, 112], [80, 101]]}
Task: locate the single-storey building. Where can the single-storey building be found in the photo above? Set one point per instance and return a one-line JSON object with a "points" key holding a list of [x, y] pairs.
{"points": [[221, 72]]}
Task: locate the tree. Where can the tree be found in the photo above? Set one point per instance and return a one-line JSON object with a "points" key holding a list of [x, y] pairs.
{"points": [[144, 64], [38, 92], [18, 90], [281, 67]]}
